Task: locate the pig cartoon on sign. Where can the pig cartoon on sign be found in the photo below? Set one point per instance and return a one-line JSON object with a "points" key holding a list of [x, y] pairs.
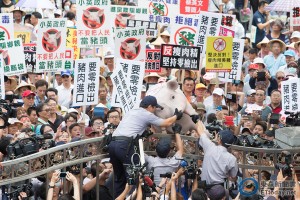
{"points": [[5, 57], [129, 50], [122, 20], [170, 97], [51, 40], [93, 19]]}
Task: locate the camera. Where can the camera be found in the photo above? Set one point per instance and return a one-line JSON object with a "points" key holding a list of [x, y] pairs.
{"points": [[248, 141], [17, 190], [29, 146], [108, 136], [134, 171], [191, 167], [214, 127], [293, 119], [166, 175], [285, 160], [10, 108]]}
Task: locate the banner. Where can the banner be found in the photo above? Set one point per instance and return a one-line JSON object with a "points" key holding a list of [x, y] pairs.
{"points": [[183, 30], [237, 61], [24, 35], [51, 45], [86, 82], [152, 62], [219, 54], [13, 56], [151, 27], [133, 73], [94, 24], [190, 7], [130, 43], [210, 24], [72, 41], [180, 57], [6, 27], [30, 56], [295, 16]]}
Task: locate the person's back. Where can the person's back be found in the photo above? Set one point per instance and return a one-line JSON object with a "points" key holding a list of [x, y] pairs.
{"points": [[199, 194]]}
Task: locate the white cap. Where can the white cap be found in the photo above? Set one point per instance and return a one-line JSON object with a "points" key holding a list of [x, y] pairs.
{"points": [[250, 92], [72, 110], [259, 61], [295, 34], [58, 12], [218, 91]]}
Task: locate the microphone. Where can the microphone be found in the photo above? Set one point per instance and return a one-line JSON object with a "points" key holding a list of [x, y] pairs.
{"points": [[150, 183]]}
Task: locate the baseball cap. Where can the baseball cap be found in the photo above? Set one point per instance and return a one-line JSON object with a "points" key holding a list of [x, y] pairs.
{"points": [[250, 92], [245, 130], [259, 61], [71, 110], [163, 147], [289, 53], [295, 34], [227, 138], [200, 86], [218, 91], [216, 192], [201, 106], [27, 93], [253, 66], [66, 72], [150, 100], [109, 54], [271, 132]]}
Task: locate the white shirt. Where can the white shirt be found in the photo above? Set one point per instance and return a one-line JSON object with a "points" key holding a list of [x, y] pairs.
{"points": [[228, 6], [212, 7], [64, 95], [239, 30]]}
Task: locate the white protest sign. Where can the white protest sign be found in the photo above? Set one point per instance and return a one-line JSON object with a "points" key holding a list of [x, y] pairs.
{"points": [[51, 45], [285, 94], [130, 43], [94, 24], [6, 26], [213, 24], [13, 57], [295, 16], [289, 93], [86, 82], [2, 84], [237, 61]]}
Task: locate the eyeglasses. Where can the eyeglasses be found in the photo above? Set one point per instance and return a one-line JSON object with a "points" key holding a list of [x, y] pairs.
{"points": [[47, 110], [30, 97], [98, 123], [257, 94], [280, 77], [251, 95], [114, 117], [65, 76]]}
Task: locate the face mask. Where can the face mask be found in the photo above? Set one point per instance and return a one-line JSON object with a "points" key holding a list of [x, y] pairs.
{"points": [[292, 70], [67, 8]]}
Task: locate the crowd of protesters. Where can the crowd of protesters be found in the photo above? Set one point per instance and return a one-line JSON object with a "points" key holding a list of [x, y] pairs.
{"points": [[43, 106]]}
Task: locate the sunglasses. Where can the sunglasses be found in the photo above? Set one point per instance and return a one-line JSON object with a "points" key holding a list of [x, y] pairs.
{"points": [[280, 77], [30, 97]]}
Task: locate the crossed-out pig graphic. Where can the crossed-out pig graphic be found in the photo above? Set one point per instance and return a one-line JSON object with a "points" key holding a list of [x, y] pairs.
{"points": [[130, 48], [93, 17], [51, 40]]}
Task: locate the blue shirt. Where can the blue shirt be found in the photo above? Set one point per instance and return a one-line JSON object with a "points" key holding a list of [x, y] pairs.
{"points": [[37, 100], [259, 18], [273, 64]]}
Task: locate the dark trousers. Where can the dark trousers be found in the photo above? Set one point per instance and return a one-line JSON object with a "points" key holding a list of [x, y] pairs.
{"points": [[254, 5], [120, 153]]}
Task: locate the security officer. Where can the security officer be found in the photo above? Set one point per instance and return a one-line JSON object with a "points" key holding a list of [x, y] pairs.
{"points": [[135, 122]]}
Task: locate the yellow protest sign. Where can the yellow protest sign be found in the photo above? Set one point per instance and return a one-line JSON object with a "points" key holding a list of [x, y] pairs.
{"points": [[219, 54], [72, 41], [24, 35]]}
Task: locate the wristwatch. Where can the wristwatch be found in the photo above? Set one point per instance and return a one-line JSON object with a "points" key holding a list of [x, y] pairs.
{"points": [[51, 186]]}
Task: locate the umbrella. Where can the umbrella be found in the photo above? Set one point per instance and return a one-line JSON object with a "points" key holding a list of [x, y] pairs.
{"points": [[36, 4], [283, 5]]}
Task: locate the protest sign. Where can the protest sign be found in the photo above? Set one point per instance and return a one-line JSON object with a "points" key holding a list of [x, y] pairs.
{"points": [[6, 26], [51, 45], [72, 41], [86, 82], [94, 23], [295, 16], [12, 52], [237, 61], [180, 57], [133, 72], [2, 84], [152, 63], [130, 43], [24, 35], [210, 24], [151, 27], [289, 93], [30, 56], [183, 30], [219, 54], [193, 6]]}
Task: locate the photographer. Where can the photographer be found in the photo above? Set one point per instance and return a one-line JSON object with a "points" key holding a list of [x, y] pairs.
{"points": [[162, 163], [218, 163], [124, 139]]}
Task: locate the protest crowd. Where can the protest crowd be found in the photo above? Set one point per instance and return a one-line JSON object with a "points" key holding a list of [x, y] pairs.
{"points": [[223, 73]]}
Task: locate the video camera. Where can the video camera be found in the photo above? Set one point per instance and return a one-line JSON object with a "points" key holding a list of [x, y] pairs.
{"points": [[108, 136], [285, 160], [293, 119], [214, 127], [29, 145], [17, 190], [10, 108], [248, 140], [134, 171], [191, 167]]}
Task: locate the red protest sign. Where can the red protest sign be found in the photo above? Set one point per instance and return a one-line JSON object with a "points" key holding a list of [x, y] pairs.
{"points": [[193, 6]]}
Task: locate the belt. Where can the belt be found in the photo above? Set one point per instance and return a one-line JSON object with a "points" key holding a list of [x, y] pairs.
{"points": [[124, 138]]}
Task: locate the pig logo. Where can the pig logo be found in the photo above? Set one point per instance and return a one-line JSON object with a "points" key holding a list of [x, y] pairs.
{"points": [[6, 58], [130, 48], [93, 17], [121, 19], [51, 40]]}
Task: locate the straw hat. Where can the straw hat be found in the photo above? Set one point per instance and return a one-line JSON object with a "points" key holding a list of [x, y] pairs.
{"points": [[193, 74], [296, 44], [292, 45], [166, 33], [152, 74], [19, 9], [24, 84], [264, 41], [102, 78], [158, 42], [283, 47], [13, 83]]}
